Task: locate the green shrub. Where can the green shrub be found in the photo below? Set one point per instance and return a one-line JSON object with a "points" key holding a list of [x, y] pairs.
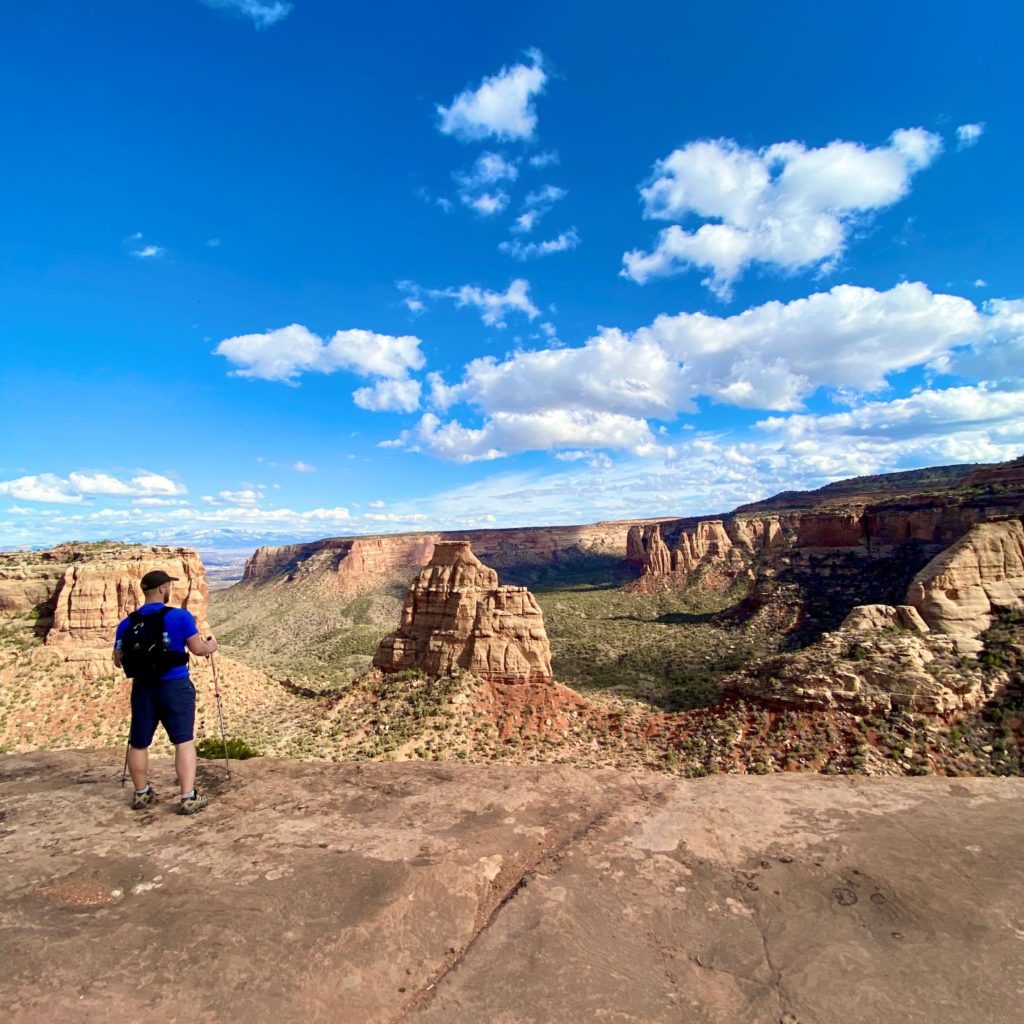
{"points": [[212, 748]]}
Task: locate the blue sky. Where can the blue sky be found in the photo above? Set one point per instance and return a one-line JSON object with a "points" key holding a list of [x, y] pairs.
{"points": [[285, 270]]}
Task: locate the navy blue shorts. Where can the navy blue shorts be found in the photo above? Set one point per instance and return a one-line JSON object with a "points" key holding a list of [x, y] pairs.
{"points": [[171, 702]]}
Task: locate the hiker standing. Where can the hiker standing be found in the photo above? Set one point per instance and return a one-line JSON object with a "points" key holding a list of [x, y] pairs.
{"points": [[151, 646]]}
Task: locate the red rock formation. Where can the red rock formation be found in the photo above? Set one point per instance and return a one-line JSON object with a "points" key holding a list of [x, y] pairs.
{"points": [[457, 617], [960, 591], [94, 595], [357, 563]]}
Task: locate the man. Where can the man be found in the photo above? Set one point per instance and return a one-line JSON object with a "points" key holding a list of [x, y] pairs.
{"points": [[161, 688]]}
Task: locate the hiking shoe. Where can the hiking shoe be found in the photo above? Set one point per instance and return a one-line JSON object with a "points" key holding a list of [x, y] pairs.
{"points": [[196, 802], [140, 801]]}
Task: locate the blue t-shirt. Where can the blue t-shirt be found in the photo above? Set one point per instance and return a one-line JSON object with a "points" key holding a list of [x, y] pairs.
{"points": [[179, 625]]}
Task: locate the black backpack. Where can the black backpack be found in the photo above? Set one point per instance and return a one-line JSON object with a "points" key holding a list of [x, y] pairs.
{"points": [[143, 652]]}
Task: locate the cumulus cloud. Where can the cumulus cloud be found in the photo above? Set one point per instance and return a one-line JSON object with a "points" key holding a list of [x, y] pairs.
{"points": [[400, 395], [848, 340], [287, 352], [508, 432], [520, 250], [502, 105], [262, 13], [303, 467], [73, 489], [968, 134], [149, 252], [786, 206]]}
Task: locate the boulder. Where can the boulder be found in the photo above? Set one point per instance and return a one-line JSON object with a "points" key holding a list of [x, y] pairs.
{"points": [[457, 617], [881, 616]]}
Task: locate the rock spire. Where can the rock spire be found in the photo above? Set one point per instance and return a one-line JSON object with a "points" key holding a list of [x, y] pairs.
{"points": [[457, 617]]}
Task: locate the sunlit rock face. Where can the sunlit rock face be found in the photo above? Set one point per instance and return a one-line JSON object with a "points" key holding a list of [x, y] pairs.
{"points": [[982, 574], [456, 617]]}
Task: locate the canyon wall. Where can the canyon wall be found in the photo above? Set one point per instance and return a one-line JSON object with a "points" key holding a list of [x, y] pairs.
{"points": [[355, 563], [79, 593]]}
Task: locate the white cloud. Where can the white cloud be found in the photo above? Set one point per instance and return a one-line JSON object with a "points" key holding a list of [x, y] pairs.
{"points": [[785, 205], [925, 413], [401, 395], [285, 353], [489, 169], [262, 13], [48, 487], [501, 106], [545, 196], [508, 432], [44, 487], [536, 205], [213, 243], [980, 282], [524, 223], [565, 242], [246, 496], [98, 483], [543, 159], [769, 357], [303, 467], [773, 356], [486, 204], [149, 252], [494, 306], [376, 504], [968, 134], [154, 484], [477, 185]]}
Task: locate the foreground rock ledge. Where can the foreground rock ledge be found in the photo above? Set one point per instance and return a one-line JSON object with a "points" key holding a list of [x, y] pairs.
{"points": [[507, 895]]}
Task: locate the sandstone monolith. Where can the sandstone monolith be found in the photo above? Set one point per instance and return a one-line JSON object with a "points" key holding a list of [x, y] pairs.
{"points": [[457, 617]]}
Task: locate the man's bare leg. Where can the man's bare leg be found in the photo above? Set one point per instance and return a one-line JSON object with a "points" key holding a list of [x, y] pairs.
{"points": [[185, 765], [138, 766]]}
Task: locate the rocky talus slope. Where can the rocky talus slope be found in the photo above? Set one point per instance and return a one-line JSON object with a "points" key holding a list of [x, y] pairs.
{"points": [[457, 618], [496, 894]]}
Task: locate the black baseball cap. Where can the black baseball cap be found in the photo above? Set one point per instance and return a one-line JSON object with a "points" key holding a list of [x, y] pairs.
{"points": [[156, 578]]}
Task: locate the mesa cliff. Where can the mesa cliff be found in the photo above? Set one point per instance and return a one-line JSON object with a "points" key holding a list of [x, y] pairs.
{"points": [[354, 563], [814, 556], [457, 618]]}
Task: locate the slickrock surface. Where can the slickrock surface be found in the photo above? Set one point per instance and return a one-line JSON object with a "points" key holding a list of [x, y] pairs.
{"points": [[983, 573], [457, 618], [379, 894]]}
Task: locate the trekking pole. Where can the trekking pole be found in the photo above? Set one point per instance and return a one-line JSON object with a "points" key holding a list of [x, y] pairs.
{"points": [[124, 774], [220, 712]]}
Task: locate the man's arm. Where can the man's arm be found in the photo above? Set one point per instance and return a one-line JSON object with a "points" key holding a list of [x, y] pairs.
{"points": [[197, 645]]}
